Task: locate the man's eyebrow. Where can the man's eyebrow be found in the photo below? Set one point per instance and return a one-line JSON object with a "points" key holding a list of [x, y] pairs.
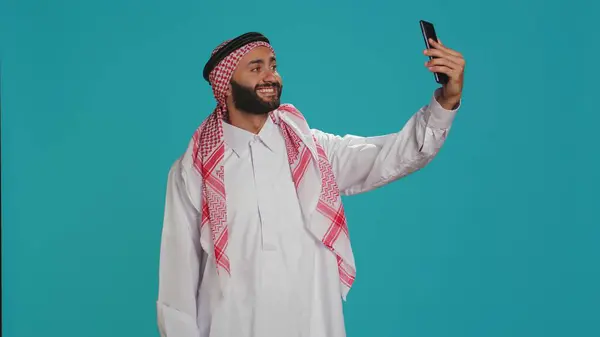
{"points": [[259, 61]]}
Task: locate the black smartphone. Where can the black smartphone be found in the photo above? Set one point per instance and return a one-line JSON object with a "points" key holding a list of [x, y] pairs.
{"points": [[429, 33]]}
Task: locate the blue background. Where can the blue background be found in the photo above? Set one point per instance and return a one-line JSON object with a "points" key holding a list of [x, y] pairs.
{"points": [[498, 236]]}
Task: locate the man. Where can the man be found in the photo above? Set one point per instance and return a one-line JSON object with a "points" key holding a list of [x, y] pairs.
{"points": [[255, 241]]}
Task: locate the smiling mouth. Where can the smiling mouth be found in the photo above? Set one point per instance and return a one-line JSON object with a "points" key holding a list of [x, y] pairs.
{"points": [[267, 91]]}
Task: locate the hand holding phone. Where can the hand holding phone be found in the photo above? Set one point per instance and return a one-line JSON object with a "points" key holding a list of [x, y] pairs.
{"points": [[447, 64], [428, 31]]}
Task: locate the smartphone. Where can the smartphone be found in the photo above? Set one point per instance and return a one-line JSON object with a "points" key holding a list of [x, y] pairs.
{"points": [[429, 33]]}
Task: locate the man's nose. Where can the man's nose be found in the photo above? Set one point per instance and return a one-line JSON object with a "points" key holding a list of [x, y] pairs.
{"points": [[270, 76]]}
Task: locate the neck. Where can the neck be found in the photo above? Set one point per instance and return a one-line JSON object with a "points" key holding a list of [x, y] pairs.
{"points": [[247, 121]]}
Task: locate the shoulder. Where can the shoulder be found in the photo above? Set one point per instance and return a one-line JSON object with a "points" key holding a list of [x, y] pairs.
{"points": [[324, 137], [183, 174], [295, 116]]}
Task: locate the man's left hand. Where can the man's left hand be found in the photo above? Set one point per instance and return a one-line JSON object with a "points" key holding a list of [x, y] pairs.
{"points": [[451, 63]]}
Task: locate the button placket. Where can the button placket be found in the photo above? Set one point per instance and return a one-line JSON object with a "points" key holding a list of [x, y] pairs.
{"points": [[263, 184]]}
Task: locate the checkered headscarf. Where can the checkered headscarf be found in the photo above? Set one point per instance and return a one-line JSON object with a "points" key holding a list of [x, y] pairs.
{"points": [[311, 172]]}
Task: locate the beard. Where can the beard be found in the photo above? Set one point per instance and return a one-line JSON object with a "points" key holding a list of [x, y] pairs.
{"points": [[246, 99]]}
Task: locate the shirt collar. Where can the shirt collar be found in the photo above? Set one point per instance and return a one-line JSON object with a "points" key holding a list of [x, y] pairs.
{"points": [[239, 139]]}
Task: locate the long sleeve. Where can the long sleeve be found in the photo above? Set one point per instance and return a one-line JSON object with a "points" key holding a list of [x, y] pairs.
{"points": [[361, 164], [180, 259]]}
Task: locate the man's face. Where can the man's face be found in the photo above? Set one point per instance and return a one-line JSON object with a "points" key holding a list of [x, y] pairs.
{"points": [[256, 85]]}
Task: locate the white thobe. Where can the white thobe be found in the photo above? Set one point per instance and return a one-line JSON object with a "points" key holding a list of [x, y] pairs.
{"points": [[284, 282]]}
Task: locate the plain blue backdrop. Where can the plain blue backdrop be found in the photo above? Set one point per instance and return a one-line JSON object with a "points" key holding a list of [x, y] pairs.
{"points": [[498, 236]]}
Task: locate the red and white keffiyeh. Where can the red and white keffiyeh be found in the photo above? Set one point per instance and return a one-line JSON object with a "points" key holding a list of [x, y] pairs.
{"points": [[311, 172]]}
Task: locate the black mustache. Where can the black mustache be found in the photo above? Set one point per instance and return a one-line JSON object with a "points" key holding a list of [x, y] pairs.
{"points": [[265, 86]]}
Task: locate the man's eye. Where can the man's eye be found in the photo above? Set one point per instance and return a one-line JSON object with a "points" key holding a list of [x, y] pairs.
{"points": [[274, 67], [255, 69]]}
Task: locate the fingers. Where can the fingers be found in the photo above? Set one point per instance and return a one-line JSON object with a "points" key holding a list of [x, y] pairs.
{"points": [[438, 51], [442, 69], [446, 66], [452, 73], [443, 62], [441, 54], [438, 45]]}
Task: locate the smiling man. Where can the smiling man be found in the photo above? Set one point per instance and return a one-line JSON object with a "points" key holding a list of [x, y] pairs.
{"points": [[255, 241]]}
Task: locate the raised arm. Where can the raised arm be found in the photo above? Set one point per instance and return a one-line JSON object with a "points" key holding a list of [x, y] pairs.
{"points": [[180, 256], [362, 164]]}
